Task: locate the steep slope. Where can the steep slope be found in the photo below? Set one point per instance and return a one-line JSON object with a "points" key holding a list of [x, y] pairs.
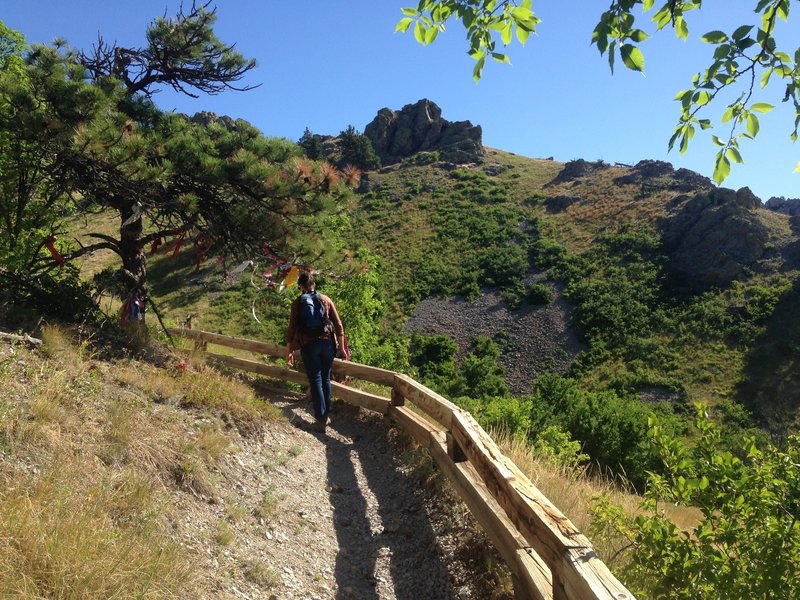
{"points": [[717, 264]]}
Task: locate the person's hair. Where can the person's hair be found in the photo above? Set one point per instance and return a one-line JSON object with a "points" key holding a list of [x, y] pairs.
{"points": [[306, 281]]}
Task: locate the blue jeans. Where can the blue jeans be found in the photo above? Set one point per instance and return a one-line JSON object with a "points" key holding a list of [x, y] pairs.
{"points": [[318, 359]]}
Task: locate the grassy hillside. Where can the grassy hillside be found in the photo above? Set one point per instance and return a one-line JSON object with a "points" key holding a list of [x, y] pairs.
{"points": [[429, 228], [456, 231]]}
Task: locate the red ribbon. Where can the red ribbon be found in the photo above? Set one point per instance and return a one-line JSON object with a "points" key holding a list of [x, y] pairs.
{"points": [[50, 243], [175, 246]]}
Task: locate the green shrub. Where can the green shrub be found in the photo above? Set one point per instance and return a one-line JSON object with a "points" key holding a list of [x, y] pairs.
{"points": [[746, 543], [539, 294], [553, 445], [612, 429]]}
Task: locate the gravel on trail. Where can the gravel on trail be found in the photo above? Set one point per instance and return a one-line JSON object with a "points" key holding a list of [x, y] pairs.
{"points": [[337, 515]]}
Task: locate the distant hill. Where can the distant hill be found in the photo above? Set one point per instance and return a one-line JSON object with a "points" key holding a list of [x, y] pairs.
{"points": [[674, 289]]}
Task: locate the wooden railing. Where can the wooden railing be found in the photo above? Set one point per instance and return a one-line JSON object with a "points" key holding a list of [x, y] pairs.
{"points": [[547, 556]]}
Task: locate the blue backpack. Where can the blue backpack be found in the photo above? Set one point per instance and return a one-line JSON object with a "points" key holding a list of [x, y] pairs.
{"points": [[314, 321]]}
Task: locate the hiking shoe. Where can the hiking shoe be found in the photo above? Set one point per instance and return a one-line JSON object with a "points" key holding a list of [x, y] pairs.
{"points": [[319, 426]]}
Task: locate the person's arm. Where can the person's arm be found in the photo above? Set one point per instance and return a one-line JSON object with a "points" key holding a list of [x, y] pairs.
{"points": [[291, 334], [338, 327]]}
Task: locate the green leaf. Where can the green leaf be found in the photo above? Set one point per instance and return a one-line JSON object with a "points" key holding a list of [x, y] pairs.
{"points": [[722, 168], [612, 54], [752, 125], [501, 57], [722, 51], [431, 34], [734, 155], [522, 35], [741, 32], [715, 37], [632, 57], [409, 12], [521, 13], [505, 35], [647, 5], [797, 168], [419, 33], [717, 141], [637, 35], [701, 98], [765, 77], [403, 24], [728, 114], [477, 53], [704, 123], [762, 107], [681, 28], [477, 71]]}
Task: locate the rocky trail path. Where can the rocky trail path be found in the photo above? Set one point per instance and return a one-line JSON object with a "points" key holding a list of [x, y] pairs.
{"points": [[336, 515]]}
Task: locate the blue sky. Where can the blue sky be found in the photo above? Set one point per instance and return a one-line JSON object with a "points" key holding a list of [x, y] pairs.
{"points": [[326, 64]]}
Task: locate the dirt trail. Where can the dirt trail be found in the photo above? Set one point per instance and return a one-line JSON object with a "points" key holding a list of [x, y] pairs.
{"points": [[317, 516]]}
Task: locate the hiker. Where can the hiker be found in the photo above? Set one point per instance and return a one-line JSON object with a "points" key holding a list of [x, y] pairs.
{"points": [[317, 331]]}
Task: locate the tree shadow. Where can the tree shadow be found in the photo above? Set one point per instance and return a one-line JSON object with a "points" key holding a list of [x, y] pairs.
{"points": [[404, 538], [771, 387]]}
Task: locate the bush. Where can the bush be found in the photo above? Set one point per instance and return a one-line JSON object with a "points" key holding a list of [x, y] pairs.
{"points": [[540, 294], [611, 428], [746, 543]]}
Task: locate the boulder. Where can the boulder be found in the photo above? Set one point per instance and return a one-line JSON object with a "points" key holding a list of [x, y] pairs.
{"points": [[713, 237], [575, 169], [420, 127], [655, 175], [787, 206]]}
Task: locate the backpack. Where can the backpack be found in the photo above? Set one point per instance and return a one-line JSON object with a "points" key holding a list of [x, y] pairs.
{"points": [[314, 320]]}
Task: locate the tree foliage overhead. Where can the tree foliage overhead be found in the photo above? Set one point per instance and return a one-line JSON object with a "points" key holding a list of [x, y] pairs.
{"points": [[80, 133], [181, 52], [742, 61]]}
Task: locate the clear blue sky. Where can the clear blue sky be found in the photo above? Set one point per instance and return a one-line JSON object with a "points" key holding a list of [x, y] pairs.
{"points": [[326, 64]]}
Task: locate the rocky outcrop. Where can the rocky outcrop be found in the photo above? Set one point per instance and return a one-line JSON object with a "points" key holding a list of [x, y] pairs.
{"points": [[420, 127], [575, 169], [713, 237], [561, 203], [787, 206], [655, 175]]}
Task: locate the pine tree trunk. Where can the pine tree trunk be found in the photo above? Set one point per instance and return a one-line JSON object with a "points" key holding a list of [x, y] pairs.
{"points": [[134, 260]]}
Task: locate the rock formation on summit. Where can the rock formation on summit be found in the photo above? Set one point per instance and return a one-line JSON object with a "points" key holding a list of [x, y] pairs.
{"points": [[715, 235], [420, 127]]}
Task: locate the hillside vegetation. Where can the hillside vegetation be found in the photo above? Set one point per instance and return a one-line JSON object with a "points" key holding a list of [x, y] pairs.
{"points": [[599, 232]]}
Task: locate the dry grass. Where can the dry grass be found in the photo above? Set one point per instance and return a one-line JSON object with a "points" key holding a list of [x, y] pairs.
{"points": [[61, 539], [89, 453], [202, 387], [573, 492]]}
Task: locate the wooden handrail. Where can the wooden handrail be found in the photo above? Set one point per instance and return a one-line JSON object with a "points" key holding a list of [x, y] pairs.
{"points": [[547, 555]]}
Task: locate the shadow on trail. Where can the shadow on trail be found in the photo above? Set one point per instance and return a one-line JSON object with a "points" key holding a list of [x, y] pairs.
{"points": [[396, 555]]}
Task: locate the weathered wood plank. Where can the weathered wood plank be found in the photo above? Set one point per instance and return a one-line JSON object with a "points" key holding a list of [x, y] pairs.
{"points": [[360, 398], [415, 425], [365, 372], [586, 577], [357, 370], [284, 373], [429, 401], [534, 578], [274, 350], [546, 529], [31, 341]]}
